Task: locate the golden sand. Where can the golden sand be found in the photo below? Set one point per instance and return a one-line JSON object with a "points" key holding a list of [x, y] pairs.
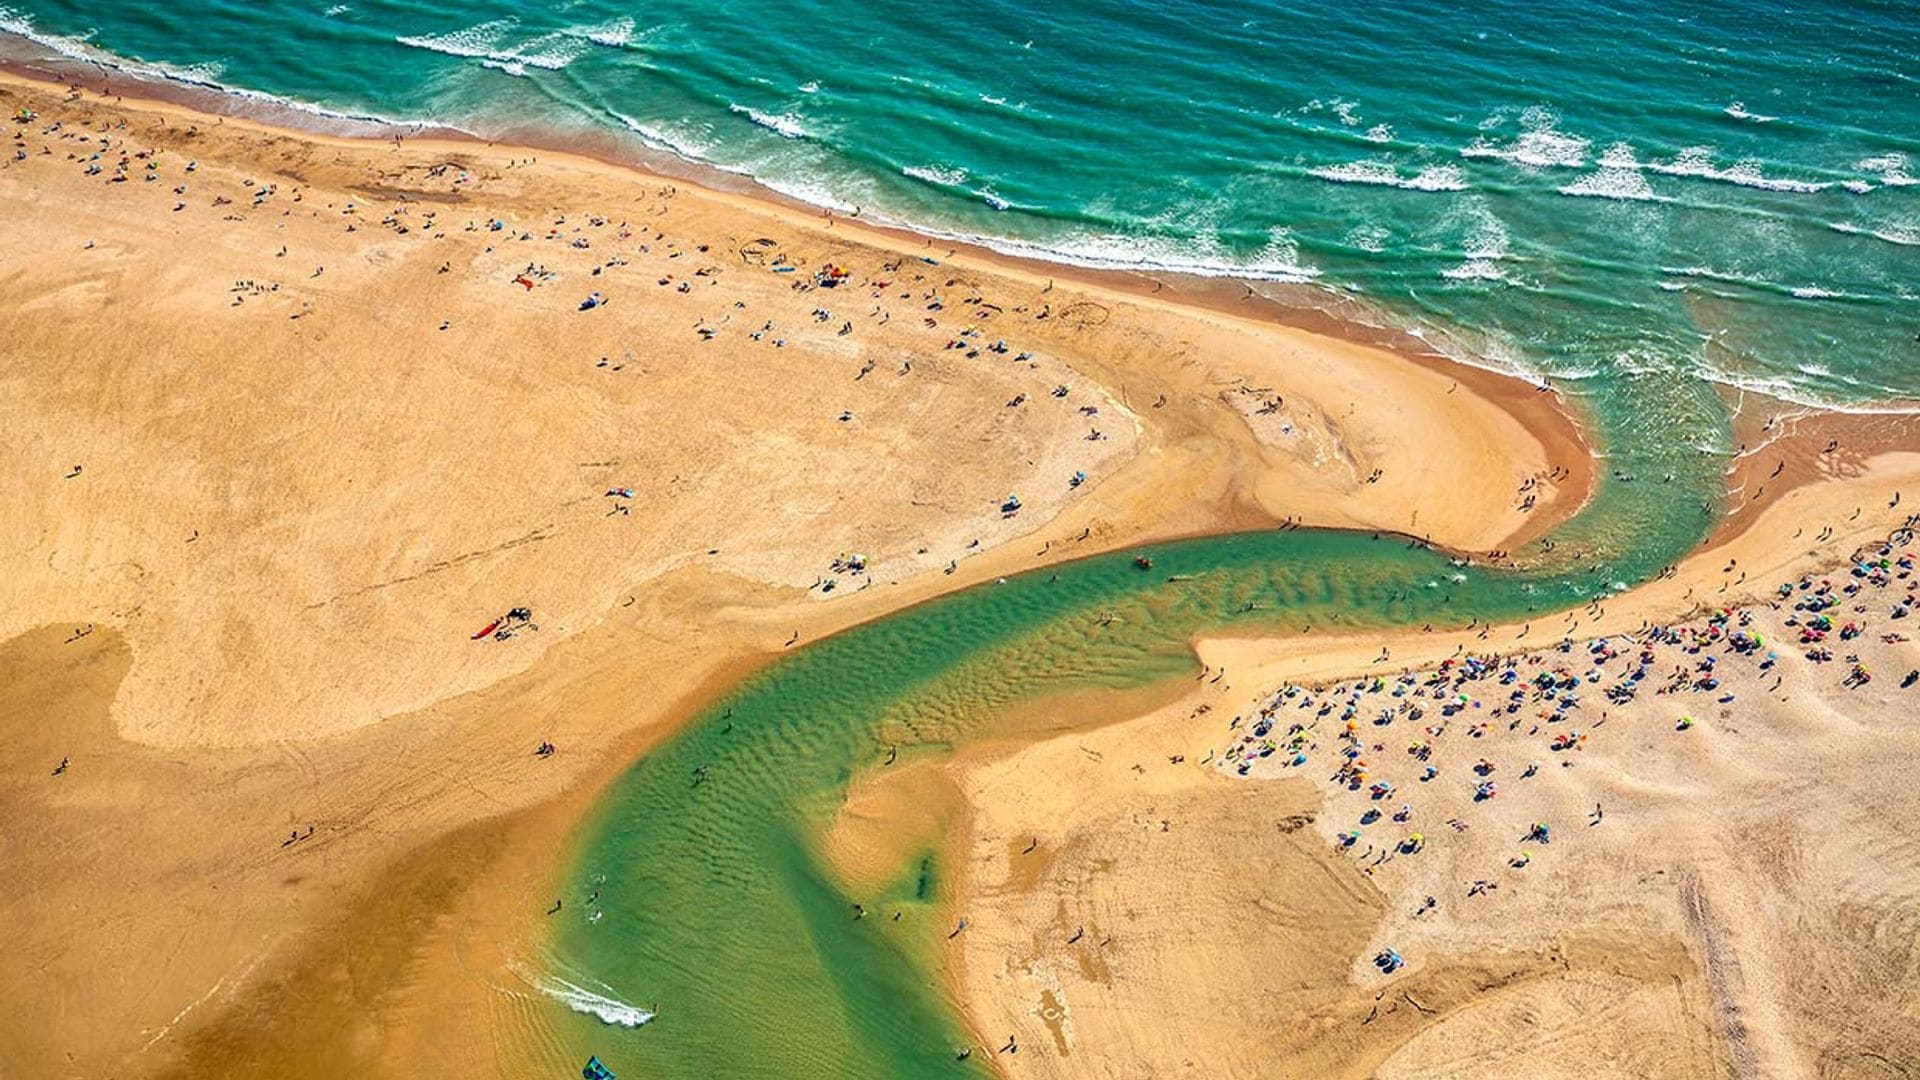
{"points": [[285, 440], [1224, 936]]}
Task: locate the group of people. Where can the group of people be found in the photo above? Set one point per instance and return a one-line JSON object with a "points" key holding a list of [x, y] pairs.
{"points": [[1386, 744]]}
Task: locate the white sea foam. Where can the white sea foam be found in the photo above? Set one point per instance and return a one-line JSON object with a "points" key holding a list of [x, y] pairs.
{"points": [[1697, 162], [1890, 168], [809, 87], [17, 23], [551, 51], [487, 43], [1903, 235], [673, 141], [942, 175], [613, 35], [1487, 239], [336, 10], [1484, 244], [1815, 292], [1789, 391], [1728, 277], [1475, 270], [987, 196], [1347, 112], [1380, 133], [1613, 183], [473, 42], [1278, 261], [1738, 111], [806, 191], [785, 125], [1540, 144], [1431, 178], [1369, 237]]}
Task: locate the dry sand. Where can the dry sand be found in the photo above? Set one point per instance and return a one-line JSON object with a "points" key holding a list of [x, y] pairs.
{"points": [[1744, 908], [246, 453]]}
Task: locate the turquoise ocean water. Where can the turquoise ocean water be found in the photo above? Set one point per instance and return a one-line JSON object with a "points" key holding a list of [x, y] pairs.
{"points": [[1603, 191], [1649, 202]]}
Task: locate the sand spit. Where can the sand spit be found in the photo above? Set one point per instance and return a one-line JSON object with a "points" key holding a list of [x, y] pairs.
{"points": [[1723, 888]]}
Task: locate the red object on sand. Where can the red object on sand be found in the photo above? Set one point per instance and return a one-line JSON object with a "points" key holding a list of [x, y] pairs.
{"points": [[488, 629]]}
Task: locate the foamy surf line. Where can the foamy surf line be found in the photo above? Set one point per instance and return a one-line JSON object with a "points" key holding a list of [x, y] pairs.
{"points": [[15, 25], [1385, 174], [1278, 263]]}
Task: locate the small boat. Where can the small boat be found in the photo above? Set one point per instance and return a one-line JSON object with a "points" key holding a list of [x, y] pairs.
{"points": [[594, 1070]]}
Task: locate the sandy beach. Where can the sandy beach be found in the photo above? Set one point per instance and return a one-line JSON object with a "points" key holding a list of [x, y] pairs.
{"points": [[346, 473], [1148, 908]]}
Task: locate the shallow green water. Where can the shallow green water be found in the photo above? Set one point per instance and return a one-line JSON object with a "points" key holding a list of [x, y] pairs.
{"points": [[715, 907]]}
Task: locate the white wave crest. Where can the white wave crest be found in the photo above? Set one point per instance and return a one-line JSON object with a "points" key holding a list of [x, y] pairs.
{"points": [[1726, 277], [1431, 178], [806, 191], [1540, 144], [670, 140], [487, 44], [1279, 261], [785, 125], [1903, 235], [1624, 184], [1697, 162], [474, 42], [1369, 237], [613, 35], [941, 175], [1890, 168], [1738, 111], [1475, 270]]}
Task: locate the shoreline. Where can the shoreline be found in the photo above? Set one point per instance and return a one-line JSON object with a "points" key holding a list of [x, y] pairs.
{"points": [[1559, 421], [759, 614], [349, 386], [38, 61]]}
